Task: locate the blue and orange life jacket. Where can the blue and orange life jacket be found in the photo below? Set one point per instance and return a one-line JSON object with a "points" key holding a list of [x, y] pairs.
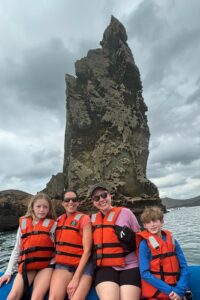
{"points": [[163, 264]]}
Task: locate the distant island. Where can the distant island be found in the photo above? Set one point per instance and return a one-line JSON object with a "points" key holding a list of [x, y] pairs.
{"points": [[174, 203]]}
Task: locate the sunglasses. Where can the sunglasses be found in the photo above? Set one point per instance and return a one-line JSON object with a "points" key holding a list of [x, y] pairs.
{"points": [[75, 199], [102, 195]]}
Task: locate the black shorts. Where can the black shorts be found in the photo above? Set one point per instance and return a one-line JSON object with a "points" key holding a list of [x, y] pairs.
{"points": [[124, 277]]}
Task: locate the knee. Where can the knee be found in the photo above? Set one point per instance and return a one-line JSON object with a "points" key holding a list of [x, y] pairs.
{"points": [[53, 297], [77, 298], [13, 296], [37, 297]]}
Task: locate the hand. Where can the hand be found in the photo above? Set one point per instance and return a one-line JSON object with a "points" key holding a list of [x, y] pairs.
{"points": [[4, 278], [72, 286], [174, 296]]}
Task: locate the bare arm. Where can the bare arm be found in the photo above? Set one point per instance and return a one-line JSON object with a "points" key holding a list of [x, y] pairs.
{"points": [[87, 245]]}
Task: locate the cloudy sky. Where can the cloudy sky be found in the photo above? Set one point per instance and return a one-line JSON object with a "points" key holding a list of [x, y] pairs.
{"points": [[41, 40]]}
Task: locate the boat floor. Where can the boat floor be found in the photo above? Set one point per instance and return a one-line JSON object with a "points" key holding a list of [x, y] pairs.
{"points": [[194, 286]]}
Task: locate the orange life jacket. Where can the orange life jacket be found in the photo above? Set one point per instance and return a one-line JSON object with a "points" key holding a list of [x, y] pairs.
{"points": [[69, 247], [37, 247], [163, 264], [108, 250]]}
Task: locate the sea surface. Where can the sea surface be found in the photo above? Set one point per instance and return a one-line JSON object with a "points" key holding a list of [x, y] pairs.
{"points": [[183, 222]]}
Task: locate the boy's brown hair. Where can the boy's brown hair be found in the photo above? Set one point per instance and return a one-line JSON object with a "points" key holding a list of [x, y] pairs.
{"points": [[151, 213]]}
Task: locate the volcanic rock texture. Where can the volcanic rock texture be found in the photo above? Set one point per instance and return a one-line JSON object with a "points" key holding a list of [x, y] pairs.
{"points": [[107, 135]]}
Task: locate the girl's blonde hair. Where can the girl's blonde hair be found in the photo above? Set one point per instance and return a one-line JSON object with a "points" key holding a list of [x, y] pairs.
{"points": [[151, 213], [51, 213]]}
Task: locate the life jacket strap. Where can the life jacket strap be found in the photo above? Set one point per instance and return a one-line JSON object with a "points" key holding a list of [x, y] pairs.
{"points": [[156, 294], [166, 273], [69, 244], [106, 245], [34, 233], [67, 254], [34, 259], [102, 226], [67, 227], [113, 255], [26, 292], [164, 255], [35, 249]]}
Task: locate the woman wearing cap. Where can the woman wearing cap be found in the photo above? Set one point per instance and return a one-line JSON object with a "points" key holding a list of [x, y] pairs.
{"points": [[117, 273], [73, 273]]}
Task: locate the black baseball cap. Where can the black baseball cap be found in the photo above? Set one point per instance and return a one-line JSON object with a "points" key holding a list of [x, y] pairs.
{"points": [[99, 185]]}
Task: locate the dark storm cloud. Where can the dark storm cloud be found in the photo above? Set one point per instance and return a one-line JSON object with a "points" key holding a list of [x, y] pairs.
{"points": [[38, 77], [166, 41]]}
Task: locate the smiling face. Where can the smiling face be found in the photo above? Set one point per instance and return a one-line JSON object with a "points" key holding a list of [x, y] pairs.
{"points": [[70, 203], [102, 200], [154, 226], [40, 208]]}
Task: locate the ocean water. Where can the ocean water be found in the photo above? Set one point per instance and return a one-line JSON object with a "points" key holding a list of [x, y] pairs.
{"points": [[183, 222], [7, 241], [185, 225]]}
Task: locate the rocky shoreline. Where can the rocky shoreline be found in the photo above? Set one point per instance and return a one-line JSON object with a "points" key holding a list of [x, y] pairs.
{"points": [[13, 204]]}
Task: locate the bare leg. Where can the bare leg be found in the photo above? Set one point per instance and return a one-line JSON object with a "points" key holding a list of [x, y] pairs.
{"points": [[129, 292], [18, 285], [41, 283], [108, 290], [83, 288], [58, 285]]}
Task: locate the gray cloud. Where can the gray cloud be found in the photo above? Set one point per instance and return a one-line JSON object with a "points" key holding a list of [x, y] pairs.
{"points": [[145, 22], [41, 44], [38, 78], [166, 42]]}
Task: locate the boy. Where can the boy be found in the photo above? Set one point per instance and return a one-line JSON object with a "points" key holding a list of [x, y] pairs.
{"points": [[163, 267]]}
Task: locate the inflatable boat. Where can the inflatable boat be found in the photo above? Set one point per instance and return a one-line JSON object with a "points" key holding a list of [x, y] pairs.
{"points": [[194, 286]]}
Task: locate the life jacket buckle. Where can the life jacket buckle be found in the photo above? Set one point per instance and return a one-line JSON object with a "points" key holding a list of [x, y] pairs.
{"points": [[98, 246]]}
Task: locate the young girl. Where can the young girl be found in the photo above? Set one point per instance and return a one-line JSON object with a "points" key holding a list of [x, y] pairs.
{"points": [[73, 273], [33, 251]]}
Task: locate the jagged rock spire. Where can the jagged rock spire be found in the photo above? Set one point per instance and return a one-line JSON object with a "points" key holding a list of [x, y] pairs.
{"points": [[114, 34], [107, 134]]}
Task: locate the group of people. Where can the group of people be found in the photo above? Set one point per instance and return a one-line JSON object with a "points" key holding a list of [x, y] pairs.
{"points": [[107, 250]]}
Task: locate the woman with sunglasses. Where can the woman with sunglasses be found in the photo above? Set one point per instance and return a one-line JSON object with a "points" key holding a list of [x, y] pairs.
{"points": [[117, 273], [73, 271]]}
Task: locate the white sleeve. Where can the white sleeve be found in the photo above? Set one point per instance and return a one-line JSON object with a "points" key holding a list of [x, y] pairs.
{"points": [[52, 235], [14, 258], [52, 232]]}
